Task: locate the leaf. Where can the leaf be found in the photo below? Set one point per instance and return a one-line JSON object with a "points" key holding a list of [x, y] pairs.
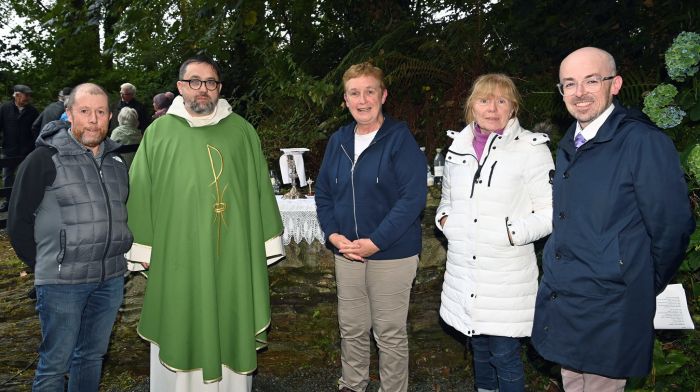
{"points": [[695, 240], [666, 364], [694, 112], [691, 262], [251, 18]]}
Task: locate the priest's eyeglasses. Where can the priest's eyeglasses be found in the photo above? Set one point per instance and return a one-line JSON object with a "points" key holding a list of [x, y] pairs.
{"points": [[196, 84], [591, 84]]}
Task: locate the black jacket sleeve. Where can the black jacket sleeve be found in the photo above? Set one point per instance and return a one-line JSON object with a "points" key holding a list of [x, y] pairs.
{"points": [[35, 173], [36, 125]]}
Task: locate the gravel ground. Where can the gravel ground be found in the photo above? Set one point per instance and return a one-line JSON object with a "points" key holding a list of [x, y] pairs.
{"points": [[313, 380]]}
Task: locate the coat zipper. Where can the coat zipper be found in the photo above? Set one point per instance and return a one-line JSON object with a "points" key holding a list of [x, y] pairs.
{"points": [[477, 174], [109, 212], [62, 247], [352, 182]]}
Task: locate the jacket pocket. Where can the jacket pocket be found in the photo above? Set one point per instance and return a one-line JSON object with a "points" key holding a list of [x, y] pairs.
{"points": [[446, 229], [508, 229], [491, 173], [61, 248]]}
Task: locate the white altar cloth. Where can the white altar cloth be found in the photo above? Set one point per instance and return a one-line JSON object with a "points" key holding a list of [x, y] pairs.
{"points": [[300, 220]]}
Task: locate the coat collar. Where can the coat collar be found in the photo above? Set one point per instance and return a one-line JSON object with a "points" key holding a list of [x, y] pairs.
{"points": [[463, 141], [606, 132], [348, 132]]}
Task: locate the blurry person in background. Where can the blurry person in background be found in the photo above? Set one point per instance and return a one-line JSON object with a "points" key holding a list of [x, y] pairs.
{"points": [[161, 103], [127, 94], [52, 112], [16, 119], [127, 132]]}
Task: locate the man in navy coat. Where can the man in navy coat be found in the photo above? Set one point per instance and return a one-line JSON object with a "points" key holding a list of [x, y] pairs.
{"points": [[622, 222]]}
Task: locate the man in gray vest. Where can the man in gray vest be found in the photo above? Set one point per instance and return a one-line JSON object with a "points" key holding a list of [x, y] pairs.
{"points": [[67, 221]]}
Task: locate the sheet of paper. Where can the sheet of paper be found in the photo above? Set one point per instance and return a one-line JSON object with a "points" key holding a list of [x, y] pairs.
{"points": [[672, 309], [136, 255]]}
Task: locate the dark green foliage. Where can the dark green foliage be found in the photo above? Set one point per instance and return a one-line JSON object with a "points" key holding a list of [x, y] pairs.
{"points": [[283, 60]]}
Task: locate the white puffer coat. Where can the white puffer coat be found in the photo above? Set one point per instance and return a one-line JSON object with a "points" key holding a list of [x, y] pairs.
{"points": [[491, 280]]}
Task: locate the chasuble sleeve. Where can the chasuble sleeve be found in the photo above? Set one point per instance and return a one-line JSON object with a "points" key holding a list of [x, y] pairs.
{"points": [[139, 203]]}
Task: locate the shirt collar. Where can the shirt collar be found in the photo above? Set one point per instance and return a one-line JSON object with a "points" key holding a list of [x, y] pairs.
{"points": [[592, 129]]}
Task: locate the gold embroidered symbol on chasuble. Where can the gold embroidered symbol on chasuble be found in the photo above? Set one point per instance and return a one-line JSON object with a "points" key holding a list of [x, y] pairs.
{"points": [[216, 161]]}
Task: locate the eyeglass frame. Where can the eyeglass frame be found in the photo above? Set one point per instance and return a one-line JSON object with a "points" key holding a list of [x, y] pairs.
{"points": [[598, 79], [204, 83]]}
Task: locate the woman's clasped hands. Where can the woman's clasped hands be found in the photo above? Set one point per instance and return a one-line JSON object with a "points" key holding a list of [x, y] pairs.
{"points": [[357, 250]]}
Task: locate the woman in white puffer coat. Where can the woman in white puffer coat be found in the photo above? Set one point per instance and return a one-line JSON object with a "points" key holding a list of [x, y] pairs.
{"points": [[496, 200]]}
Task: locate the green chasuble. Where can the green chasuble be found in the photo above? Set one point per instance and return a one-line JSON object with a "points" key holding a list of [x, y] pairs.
{"points": [[201, 198]]}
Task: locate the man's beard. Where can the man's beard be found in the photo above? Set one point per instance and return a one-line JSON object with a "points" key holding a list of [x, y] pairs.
{"points": [[201, 108], [89, 139]]}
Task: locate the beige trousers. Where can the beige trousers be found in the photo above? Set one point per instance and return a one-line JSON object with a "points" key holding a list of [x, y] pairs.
{"points": [[587, 382], [374, 295]]}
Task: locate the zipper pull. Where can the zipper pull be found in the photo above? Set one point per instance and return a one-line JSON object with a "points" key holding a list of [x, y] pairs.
{"points": [[59, 268]]}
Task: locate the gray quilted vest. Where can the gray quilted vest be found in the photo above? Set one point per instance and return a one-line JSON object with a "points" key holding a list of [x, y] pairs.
{"points": [[81, 225]]}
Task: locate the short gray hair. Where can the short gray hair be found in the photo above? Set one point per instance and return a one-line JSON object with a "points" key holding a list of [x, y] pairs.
{"points": [[128, 87], [611, 62], [128, 116], [90, 88]]}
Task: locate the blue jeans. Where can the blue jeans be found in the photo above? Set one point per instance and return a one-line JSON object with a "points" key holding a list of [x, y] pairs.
{"points": [[76, 323], [497, 363]]}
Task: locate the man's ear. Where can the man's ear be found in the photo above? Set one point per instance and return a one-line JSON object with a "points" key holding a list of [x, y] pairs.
{"points": [[179, 87], [616, 85]]}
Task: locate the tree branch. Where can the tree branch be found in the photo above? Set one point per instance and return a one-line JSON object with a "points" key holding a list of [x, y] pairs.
{"points": [[42, 6]]}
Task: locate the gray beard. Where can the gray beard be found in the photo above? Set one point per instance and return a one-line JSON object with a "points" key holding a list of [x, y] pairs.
{"points": [[204, 109]]}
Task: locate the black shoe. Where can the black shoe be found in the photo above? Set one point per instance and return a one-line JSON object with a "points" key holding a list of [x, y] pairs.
{"points": [[4, 206]]}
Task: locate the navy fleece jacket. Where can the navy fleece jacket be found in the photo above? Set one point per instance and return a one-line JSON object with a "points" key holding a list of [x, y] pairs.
{"points": [[380, 196]]}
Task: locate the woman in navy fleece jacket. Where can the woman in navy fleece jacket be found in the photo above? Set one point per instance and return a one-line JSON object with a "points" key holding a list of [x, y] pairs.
{"points": [[370, 192]]}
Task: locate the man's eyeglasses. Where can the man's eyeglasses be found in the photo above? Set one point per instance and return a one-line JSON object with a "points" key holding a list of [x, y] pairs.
{"points": [[196, 84], [591, 85]]}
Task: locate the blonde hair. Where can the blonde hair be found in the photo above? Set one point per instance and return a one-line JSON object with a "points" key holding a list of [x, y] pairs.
{"points": [[488, 85], [364, 69]]}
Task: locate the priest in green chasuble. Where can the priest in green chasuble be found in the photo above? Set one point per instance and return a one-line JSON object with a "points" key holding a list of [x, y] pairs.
{"points": [[206, 225]]}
